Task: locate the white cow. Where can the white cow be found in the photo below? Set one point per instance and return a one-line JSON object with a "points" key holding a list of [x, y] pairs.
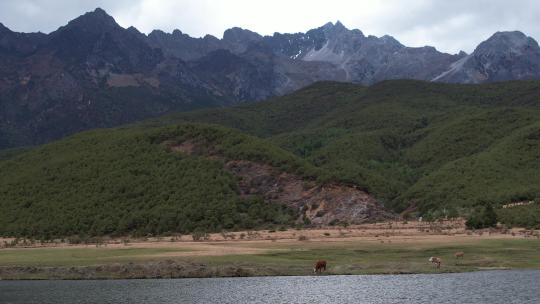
{"points": [[436, 260]]}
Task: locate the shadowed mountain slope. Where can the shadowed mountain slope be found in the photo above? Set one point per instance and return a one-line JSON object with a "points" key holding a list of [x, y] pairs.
{"points": [[93, 73]]}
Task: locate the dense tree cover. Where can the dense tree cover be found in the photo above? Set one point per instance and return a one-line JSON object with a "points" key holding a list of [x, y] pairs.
{"points": [[521, 216], [125, 180], [10, 153], [410, 143], [440, 148], [483, 216]]}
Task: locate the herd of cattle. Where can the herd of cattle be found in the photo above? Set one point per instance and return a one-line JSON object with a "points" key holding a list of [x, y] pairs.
{"points": [[320, 265]]}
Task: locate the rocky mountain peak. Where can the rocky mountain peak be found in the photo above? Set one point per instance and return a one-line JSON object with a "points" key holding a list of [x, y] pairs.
{"points": [[337, 29], [95, 21], [509, 36], [177, 32], [4, 29], [504, 56], [391, 40], [514, 42], [240, 35], [328, 25], [99, 14], [156, 33], [96, 41], [209, 37], [239, 39], [134, 30], [338, 24]]}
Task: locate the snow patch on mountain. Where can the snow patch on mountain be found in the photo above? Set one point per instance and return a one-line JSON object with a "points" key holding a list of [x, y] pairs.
{"points": [[325, 54]]}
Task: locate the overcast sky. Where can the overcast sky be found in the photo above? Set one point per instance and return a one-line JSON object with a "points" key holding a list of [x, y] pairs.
{"points": [[448, 25]]}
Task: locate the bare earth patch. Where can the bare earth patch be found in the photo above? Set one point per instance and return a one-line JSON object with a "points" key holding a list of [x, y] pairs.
{"points": [[257, 242]]}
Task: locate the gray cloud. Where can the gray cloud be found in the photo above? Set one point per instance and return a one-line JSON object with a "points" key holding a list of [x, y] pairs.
{"points": [[448, 25]]}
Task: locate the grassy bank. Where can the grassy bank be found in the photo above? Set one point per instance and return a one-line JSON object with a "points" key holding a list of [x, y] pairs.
{"points": [[365, 258], [270, 258]]}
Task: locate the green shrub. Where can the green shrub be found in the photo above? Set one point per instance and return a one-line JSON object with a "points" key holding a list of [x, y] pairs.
{"points": [[482, 217], [200, 235], [521, 216]]}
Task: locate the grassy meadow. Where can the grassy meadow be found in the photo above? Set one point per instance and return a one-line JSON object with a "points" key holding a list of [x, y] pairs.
{"points": [[295, 257]]}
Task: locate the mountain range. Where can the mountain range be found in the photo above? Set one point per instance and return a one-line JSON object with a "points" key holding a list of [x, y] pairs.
{"points": [[94, 73]]}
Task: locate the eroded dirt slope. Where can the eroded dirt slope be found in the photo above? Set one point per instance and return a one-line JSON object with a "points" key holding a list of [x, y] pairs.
{"points": [[321, 204]]}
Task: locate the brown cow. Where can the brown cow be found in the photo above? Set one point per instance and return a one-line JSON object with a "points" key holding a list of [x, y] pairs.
{"points": [[436, 260], [319, 266], [459, 254]]}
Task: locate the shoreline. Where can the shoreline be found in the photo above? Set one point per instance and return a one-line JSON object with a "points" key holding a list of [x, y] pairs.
{"points": [[265, 276]]}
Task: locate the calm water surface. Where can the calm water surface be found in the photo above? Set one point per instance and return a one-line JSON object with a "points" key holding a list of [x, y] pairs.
{"points": [[479, 287]]}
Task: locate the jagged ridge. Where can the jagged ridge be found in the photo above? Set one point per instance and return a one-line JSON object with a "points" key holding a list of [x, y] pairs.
{"points": [[94, 73]]}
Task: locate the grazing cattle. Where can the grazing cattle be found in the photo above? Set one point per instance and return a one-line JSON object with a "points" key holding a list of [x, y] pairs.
{"points": [[459, 254], [436, 260], [319, 266]]}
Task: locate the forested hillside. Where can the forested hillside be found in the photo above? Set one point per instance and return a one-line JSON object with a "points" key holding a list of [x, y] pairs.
{"points": [[412, 144], [128, 180], [424, 148]]}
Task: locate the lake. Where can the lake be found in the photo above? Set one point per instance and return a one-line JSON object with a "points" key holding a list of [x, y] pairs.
{"points": [[477, 287]]}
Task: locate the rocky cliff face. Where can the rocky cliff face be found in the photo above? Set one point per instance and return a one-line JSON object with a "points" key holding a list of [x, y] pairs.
{"points": [[333, 52], [321, 204], [504, 56], [90, 73], [94, 73]]}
